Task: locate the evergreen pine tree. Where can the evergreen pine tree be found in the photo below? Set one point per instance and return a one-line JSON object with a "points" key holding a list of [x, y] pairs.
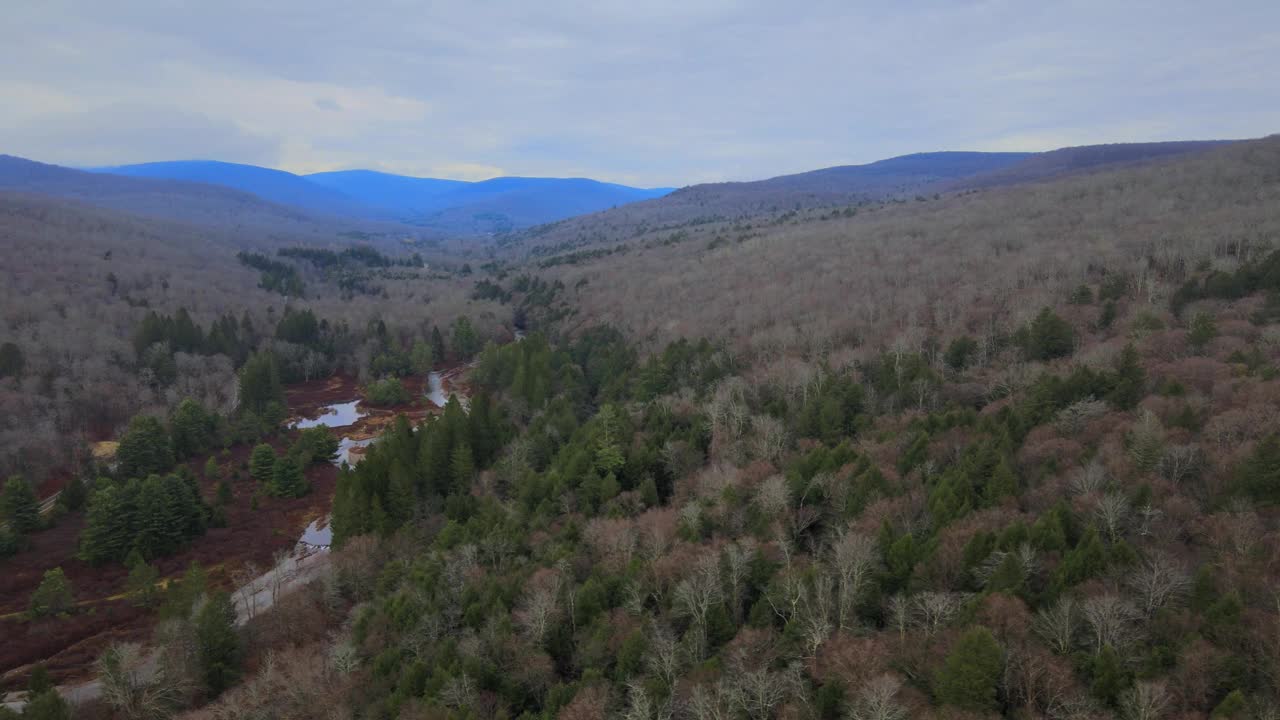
{"points": [[109, 525], [462, 468], [287, 479], [437, 344], [260, 383], [1109, 676], [400, 494], [1003, 483], [262, 463], [1130, 379], [970, 675], [141, 583], [192, 428], [53, 596], [420, 358], [19, 507], [1049, 337], [145, 448], [217, 644], [74, 495]]}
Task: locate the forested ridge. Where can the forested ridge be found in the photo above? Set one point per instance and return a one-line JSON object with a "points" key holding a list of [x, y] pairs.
{"points": [[999, 453], [613, 535]]}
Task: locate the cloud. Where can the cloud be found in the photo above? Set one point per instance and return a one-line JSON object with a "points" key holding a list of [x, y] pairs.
{"points": [[657, 93], [119, 133]]}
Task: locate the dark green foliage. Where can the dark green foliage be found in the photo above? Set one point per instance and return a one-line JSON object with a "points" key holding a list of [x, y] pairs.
{"points": [[218, 647], [1107, 316], [156, 516], [832, 412], [1259, 475], [387, 392], [262, 463], [971, 673], [1082, 295], [180, 596], [1258, 276], [960, 352], [141, 583], [300, 327], [437, 344], [1087, 559], [19, 506], [260, 384], [275, 275], [194, 429], [53, 597], [464, 339], [178, 333], [74, 495], [1203, 329], [1108, 676], [145, 448], [1047, 337], [12, 361], [1232, 707], [287, 479], [421, 358], [1129, 385], [315, 445], [11, 542], [46, 705]]}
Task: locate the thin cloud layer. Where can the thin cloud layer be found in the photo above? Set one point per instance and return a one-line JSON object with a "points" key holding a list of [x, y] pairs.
{"points": [[659, 93]]}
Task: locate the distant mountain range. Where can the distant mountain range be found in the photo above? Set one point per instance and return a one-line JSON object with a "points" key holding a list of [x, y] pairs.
{"points": [[456, 206], [546, 211], [897, 178]]}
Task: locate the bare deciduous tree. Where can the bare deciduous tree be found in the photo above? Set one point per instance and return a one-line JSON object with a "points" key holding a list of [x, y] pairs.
{"points": [[1112, 513], [1058, 624], [854, 557], [877, 699], [1110, 620], [694, 597], [737, 561], [1159, 581], [1145, 701]]}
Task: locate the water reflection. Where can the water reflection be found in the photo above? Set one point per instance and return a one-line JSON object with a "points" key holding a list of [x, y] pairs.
{"points": [[334, 416], [319, 533], [435, 390]]}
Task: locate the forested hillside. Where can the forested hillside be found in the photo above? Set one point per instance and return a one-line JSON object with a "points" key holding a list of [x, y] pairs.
{"points": [[1008, 453], [81, 281], [1000, 452], [843, 189]]}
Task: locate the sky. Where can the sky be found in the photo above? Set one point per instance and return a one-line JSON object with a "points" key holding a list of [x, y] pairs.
{"points": [[653, 93]]}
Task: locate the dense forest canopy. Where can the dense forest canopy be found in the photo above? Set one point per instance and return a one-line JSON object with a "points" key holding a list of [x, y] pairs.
{"points": [[998, 452]]}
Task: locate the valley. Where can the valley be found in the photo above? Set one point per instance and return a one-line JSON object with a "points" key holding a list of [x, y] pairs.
{"points": [[256, 538], [954, 435]]}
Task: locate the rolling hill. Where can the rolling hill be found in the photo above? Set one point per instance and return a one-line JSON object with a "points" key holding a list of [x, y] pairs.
{"points": [[276, 186], [182, 200], [487, 206], [452, 206], [899, 178]]}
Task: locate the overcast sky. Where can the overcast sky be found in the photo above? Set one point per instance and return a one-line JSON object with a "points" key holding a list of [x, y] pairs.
{"points": [[648, 92]]}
